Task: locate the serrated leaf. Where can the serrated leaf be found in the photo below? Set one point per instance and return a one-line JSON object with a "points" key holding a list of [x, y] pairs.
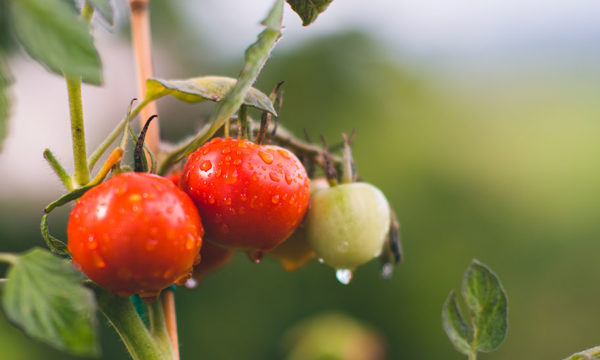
{"points": [[213, 88], [52, 34], [55, 245], [454, 324], [309, 10], [45, 297], [487, 302], [105, 9]]}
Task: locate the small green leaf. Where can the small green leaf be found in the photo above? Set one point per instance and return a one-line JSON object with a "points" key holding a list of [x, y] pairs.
{"points": [[68, 197], [454, 324], [52, 33], [213, 88], [105, 9], [45, 297], [487, 302], [55, 245], [309, 10]]}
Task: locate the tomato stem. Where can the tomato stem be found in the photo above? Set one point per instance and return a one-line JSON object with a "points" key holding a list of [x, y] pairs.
{"points": [[140, 35], [168, 303], [122, 315], [158, 327], [59, 170]]}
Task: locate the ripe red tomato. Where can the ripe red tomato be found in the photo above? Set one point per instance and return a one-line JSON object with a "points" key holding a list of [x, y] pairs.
{"points": [[250, 196], [136, 233], [212, 257]]}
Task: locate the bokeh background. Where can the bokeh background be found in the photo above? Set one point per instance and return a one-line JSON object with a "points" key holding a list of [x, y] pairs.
{"points": [[479, 121]]}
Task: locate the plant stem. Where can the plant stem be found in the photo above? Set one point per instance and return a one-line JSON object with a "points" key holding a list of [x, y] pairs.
{"points": [[9, 258], [168, 303], [473, 355], [93, 159], [59, 170], [140, 35], [122, 315], [81, 173], [158, 328]]}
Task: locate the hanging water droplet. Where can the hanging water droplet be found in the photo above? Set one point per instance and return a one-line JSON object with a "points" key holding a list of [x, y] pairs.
{"points": [[321, 260], [387, 270], [344, 276], [191, 283], [255, 256]]}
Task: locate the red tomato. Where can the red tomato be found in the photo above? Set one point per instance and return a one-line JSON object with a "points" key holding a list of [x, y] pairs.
{"points": [[212, 257], [250, 196], [136, 233]]}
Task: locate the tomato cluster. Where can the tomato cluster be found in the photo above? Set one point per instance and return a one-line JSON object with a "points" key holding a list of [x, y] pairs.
{"points": [[138, 233]]}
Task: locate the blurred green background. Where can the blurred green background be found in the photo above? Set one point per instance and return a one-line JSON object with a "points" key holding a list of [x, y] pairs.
{"points": [[496, 162]]}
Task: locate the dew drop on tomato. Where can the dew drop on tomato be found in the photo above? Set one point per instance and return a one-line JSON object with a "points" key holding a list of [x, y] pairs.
{"points": [[344, 276]]}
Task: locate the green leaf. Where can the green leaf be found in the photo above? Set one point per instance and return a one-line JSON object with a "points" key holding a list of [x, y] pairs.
{"points": [[309, 10], [487, 302], [45, 297], [105, 9], [213, 88], [52, 33], [5, 81], [55, 245], [454, 324]]}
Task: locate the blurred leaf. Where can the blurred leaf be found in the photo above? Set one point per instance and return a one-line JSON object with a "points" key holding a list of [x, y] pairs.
{"points": [[45, 297], [309, 10], [488, 305], [5, 81], [55, 245], [454, 324], [52, 34], [105, 9], [213, 88], [589, 354]]}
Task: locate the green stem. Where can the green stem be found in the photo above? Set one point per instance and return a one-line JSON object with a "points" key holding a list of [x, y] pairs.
{"points": [[81, 174], [122, 315], [9, 258], [158, 327], [59, 169], [473, 355], [589, 354], [114, 134]]}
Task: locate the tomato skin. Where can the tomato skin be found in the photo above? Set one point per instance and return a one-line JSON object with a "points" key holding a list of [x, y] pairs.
{"points": [[212, 257], [136, 233], [347, 224], [250, 196]]}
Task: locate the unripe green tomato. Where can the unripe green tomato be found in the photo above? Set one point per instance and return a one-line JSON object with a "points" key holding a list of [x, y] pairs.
{"points": [[347, 224]]}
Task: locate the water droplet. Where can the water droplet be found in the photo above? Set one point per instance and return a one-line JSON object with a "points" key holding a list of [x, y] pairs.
{"points": [[135, 198], [275, 199], [136, 208], [343, 246], [228, 158], [283, 153], [168, 273], [387, 270], [205, 165], [237, 161], [211, 199], [191, 283], [226, 150], [218, 173], [250, 166], [151, 244], [190, 242], [266, 157], [321, 260], [243, 197], [232, 177], [254, 177], [92, 243], [274, 176], [344, 276], [98, 260], [184, 278], [255, 256], [227, 200], [288, 179]]}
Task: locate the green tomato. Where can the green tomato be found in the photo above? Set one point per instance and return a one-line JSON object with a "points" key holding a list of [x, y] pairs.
{"points": [[347, 224]]}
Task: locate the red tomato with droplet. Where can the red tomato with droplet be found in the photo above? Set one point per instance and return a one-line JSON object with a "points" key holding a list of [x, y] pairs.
{"points": [[249, 196], [136, 233]]}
